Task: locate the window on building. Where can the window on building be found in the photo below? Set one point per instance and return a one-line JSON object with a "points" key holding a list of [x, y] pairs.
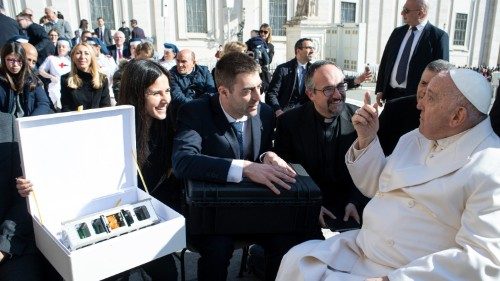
{"points": [[104, 9], [460, 29], [347, 12], [196, 16], [277, 16]]}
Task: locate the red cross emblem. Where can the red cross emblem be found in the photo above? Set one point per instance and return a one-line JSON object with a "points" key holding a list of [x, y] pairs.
{"points": [[62, 65]]}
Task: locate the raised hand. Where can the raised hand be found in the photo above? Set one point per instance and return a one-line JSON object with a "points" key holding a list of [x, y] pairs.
{"points": [[365, 121]]}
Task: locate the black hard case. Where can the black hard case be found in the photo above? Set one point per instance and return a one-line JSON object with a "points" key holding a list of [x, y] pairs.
{"points": [[250, 208]]}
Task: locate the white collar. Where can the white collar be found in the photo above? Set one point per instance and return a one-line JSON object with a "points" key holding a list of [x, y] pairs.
{"points": [[421, 26]]}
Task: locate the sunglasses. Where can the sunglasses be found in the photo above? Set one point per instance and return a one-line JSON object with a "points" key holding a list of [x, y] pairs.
{"points": [[263, 31]]}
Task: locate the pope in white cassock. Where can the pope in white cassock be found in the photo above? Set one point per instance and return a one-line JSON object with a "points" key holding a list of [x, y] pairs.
{"points": [[435, 207]]}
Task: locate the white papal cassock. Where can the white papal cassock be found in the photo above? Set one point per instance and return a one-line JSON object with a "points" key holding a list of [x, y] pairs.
{"points": [[434, 214]]}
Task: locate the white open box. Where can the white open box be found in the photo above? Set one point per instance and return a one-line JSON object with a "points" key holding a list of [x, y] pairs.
{"points": [[81, 163]]}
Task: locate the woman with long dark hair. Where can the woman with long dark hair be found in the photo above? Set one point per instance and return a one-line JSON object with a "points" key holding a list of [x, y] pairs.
{"points": [[84, 85], [145, 84], [21, 93]]}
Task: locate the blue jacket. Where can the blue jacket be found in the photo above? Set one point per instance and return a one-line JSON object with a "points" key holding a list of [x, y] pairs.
{"points": [[34, 102], [192, 86]]}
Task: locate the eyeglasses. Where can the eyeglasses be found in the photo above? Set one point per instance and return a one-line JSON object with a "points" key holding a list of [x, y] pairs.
{"points": [[328, 91], [308, 47], [14, 61], [53, 35], [407, 11], [263, 31]]}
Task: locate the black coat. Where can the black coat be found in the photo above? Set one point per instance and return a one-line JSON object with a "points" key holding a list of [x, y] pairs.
{"points": [[33, 103], [283, 84], [205, 143], [9, 28], [86, 95], [432, 45], [39, 38], [114, 54], [400, 115], [15, 223], [298, 141]]}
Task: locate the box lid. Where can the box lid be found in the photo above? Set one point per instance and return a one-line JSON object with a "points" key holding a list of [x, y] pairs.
{"points": [[72, 158]]}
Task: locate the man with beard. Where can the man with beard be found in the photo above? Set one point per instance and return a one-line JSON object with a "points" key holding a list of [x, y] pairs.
{"points": [[317, 135], [435, 201], [222, 139]]}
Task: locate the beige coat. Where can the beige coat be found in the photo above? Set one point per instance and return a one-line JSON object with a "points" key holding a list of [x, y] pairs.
{"points": [[431, 218]]}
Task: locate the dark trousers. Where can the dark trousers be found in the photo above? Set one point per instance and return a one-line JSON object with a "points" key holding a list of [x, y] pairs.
{"points": [[217, 250], [28, 267]]}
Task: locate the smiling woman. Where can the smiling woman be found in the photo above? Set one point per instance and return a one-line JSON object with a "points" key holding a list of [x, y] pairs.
{"points": [[145, 84], [84, 85]]}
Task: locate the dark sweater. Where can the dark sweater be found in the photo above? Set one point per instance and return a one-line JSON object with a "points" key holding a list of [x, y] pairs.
{"points": [[85, 95]]}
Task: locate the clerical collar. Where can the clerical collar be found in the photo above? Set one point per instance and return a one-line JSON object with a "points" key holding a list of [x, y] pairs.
{"points": [[231, 119], [323, 119]]}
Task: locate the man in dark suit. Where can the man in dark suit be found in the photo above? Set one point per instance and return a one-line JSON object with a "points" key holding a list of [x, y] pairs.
{"points": [[317, 135], [286, 89], [9, 29], [119, 50], [19, 259], [222, 138], [401, 115], [37, 36], [408, 51], [103, 32]]}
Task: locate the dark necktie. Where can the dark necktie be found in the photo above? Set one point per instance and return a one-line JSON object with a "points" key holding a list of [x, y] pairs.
{"points": [[102, 34], [238, 129], [120, 56], [403, 62]]}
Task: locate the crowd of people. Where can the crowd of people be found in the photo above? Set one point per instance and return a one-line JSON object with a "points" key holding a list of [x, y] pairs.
{"points": [[419, 183]]}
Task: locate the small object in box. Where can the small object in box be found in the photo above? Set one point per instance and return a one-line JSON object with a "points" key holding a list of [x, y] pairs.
{"points": [[108, 224]]}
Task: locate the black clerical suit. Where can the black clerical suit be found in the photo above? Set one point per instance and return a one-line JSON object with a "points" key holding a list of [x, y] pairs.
{"points": [[432, 45], [204, 147], [284, 89], [303, 136], [21, 260], [495, 113]]}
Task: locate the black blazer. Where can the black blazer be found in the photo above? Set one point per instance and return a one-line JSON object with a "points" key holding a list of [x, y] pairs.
{"points": [[400, 115], [283, 84], [125, 52], [297, 141], [107, 38], [15, 222], [432, 45], [205, 143]]}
